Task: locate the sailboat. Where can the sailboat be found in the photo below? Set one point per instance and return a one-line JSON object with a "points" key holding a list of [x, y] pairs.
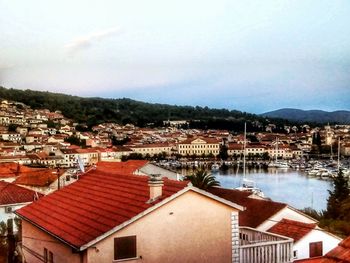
{"points": [[248, 185], [276, 163]]}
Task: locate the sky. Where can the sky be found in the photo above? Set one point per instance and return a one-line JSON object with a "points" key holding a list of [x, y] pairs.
{"points": [[248, 55]]}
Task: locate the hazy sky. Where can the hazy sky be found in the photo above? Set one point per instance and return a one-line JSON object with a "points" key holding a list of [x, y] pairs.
{"points": [[248, 55]]}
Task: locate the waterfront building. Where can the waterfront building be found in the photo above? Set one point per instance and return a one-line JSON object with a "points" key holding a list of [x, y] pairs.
{"points": [[199, 146], [152, 148]]}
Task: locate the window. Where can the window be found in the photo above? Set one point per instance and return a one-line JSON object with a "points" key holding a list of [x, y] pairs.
{"points": [[125, 247], [8, 209], [45, 255], [316, 249], [50, 257], [295, 254]]}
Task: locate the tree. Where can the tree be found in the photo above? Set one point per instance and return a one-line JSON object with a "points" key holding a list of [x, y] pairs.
{"points": [[223, 152], [202, 179], [340, 193], [12, 127]]}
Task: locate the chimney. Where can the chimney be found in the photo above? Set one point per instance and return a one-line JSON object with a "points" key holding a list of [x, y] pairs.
{"points": [[155, 184]]}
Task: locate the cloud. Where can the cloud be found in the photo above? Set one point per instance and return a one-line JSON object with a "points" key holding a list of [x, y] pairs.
{"points": [[87, 41]]}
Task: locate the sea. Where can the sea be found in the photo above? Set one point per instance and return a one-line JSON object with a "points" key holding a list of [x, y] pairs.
{"points": [[282, 185]]}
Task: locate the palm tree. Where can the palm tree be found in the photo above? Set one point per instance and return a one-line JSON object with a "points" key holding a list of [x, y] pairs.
{"points": [[202, 179]]}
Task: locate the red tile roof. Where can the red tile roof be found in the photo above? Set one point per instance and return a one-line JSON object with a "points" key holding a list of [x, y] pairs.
{"points": [[293, 229], [341, 253], [12, 169], [127, 167], [257, 211], [99, 201], [13, 194], [38, 177], [206, 139]]}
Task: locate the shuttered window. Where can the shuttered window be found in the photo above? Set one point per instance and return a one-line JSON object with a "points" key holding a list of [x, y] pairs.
{"points": [[316, 249], [125, 247], [50, 257], [45, 255]]}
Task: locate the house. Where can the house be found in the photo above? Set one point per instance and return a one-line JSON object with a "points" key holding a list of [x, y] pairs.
{"points": [[199, 146], [138, 167], [113, 154], [282, 219], [107, 216], [235, 149], [340, 254], [309, 240], [11, 136], [9, 171], [151, 148], [71, 156], [44, 180], [345, 149], [13, 197]]}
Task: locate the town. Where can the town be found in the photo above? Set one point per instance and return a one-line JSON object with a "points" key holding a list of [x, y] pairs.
{"points": [[99, 195]]}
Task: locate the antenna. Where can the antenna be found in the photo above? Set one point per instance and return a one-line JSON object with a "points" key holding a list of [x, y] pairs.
{"points": [[81, 164]]}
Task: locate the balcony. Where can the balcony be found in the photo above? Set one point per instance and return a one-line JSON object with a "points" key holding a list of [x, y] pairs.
{"points": [[263, 247]]}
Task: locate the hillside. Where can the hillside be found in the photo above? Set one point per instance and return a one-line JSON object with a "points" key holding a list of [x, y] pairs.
{"points": [[319, 116], [98, 110]]}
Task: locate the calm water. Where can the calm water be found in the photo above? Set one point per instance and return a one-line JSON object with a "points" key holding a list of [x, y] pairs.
{"points": [[287, 186]]}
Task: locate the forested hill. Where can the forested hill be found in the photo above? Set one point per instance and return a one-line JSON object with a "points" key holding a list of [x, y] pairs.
{"points": [[97, 110], [319, 116]]}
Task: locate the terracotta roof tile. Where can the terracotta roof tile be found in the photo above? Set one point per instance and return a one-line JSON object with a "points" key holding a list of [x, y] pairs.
{"points": [[257, 211], [38, 177], [127, 167], [341, 253], [293, 229], [13, 194], [99, 201], [12, 169]]}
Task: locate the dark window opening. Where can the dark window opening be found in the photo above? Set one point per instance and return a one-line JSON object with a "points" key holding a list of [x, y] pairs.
{"points": [[125, 247], [45, 255], [316, 249]]}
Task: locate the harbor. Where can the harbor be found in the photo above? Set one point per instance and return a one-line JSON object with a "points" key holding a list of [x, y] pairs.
{"points": [[300, 183], [289, 186]]}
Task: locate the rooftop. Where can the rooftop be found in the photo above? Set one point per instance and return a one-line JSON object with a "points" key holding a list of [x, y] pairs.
{"points": [[257, 211], [13, 194], [290, 228], [99, 201]]}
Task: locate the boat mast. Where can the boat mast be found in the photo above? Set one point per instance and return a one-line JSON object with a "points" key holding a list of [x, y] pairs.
{"points": [[244, 147], [338, 154], [276, 150], [331, 152]]}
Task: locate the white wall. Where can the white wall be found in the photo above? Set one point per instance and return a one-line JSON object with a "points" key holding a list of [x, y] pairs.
{"points": [[328, 242], [287, 213], [4, 216]]}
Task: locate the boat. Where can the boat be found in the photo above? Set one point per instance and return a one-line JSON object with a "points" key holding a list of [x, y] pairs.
{"points": [[248, 185], [324, 173], [278, 164]]}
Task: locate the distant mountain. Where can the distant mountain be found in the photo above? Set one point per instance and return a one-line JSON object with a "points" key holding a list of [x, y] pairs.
{"points": [[316, 116]]}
